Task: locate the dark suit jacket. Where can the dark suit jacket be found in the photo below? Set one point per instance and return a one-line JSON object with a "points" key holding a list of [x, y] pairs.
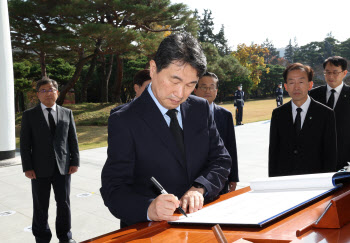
{"points": [[224, 124], [342, 118], [140, 145], [313, 151], [39, 150], [117, 108]]}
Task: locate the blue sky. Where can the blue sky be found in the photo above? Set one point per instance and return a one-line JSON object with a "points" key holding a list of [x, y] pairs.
{"points": [[248, 21]]}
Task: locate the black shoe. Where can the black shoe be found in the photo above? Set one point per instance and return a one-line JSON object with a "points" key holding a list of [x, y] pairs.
{"points": [[68, 241]]}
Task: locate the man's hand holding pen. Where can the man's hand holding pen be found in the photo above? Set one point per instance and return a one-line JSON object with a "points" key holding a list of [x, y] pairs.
{"points": [[163, 208]]}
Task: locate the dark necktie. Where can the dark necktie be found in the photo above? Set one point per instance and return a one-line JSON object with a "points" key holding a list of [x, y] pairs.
{"points": [[297, 122], [330, 102], [51, 122], [176, 130]]}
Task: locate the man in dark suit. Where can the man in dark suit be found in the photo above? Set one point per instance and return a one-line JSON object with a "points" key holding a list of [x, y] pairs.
{"points": [[50, 154], [238, 101], [207, 88], [141, 80], [302, 132], [279, 95], [167, 134], [336, 95]]}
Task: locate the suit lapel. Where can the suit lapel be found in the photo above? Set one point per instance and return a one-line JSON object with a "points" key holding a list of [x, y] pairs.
{"points": [[59, 118], [188, 130], [308, 117], [42, 121], [154, 119], [289, 119], [323, 95], [343, 96]]}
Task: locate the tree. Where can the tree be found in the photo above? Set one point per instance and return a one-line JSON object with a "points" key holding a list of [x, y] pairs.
{"points": [[269, 80], [228, 69], [344, 49], [92, 28], [289, 52], [221, 42], [252, 57], [273, 54], [21, 71], [206, 27], [35, 31]]}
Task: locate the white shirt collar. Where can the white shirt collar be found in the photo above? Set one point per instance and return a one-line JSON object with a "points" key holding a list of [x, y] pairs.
{"points": [[43, 107], [304, 106], [337, 89]]}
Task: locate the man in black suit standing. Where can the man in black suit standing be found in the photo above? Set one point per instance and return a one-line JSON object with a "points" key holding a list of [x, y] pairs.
{"points": [[302, 132], [141, 80], [207, 88], [50, 154], [167, 134], [279, 95], [238, 101], [336, 95]]}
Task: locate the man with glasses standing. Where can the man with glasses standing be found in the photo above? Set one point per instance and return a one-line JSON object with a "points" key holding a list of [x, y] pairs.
{"points": [[336, 95], [207, 88], [50, 154]]}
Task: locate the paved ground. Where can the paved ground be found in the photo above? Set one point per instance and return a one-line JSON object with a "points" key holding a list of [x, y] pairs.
{"points": [[90, 218]]}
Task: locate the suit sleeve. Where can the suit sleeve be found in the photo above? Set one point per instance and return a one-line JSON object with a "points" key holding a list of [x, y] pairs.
{"points": [[232, 149], [330, 144], [217, 169], [117, 175], [73, 142], [26, 143], [274, 146]]}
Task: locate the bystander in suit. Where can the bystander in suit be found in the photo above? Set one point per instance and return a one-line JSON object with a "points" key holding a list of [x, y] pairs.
{"points": [[207, 88], [238, 100], [50, 154], [302, 131], [168, 134], [279, 95], [141, 80], [336, 95]]}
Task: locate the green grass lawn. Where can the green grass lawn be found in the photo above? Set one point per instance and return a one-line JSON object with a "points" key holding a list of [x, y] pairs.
{"points": [[92, 118]]}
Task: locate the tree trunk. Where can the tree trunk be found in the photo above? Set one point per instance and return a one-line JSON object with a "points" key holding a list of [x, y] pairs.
{"points": [[42, 58], [91, 71], [88, 78], [118, 79], [78, 68], [105, 80]]}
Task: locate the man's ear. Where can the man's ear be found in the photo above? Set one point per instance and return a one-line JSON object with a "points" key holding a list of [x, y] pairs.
{"points": [[311, 84], [152, 68], [136, 88], [285, 86]]}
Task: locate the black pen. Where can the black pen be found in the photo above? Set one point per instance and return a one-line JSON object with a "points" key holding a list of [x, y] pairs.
{"points": [[163, 191]]}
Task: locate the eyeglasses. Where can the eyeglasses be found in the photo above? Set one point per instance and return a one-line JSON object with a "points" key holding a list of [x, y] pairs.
{"points": [[207, 88], [43, 91], [334, 73]]}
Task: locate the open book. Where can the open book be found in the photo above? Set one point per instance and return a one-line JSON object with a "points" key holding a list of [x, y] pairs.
{"points": [[269, 199]]}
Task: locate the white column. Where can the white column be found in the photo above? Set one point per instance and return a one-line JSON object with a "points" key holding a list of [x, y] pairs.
{"points": [[7, 107]]}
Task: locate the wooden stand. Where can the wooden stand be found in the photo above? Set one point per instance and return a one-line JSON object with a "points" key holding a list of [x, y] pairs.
{"points": [[337, 215]]}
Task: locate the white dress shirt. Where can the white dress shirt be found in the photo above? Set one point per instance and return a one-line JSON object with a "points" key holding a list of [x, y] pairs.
{"points": [[304, 108], [164, 110], [336, 93], [46, 113]]}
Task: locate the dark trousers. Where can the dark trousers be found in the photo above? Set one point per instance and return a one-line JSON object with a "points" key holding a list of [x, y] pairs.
{"points": [[239, 115], [41, 188]]}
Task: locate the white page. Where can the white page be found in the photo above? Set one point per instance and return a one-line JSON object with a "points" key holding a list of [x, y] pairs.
{"points": [[251, 207], [321, 180], [271, 197]]}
